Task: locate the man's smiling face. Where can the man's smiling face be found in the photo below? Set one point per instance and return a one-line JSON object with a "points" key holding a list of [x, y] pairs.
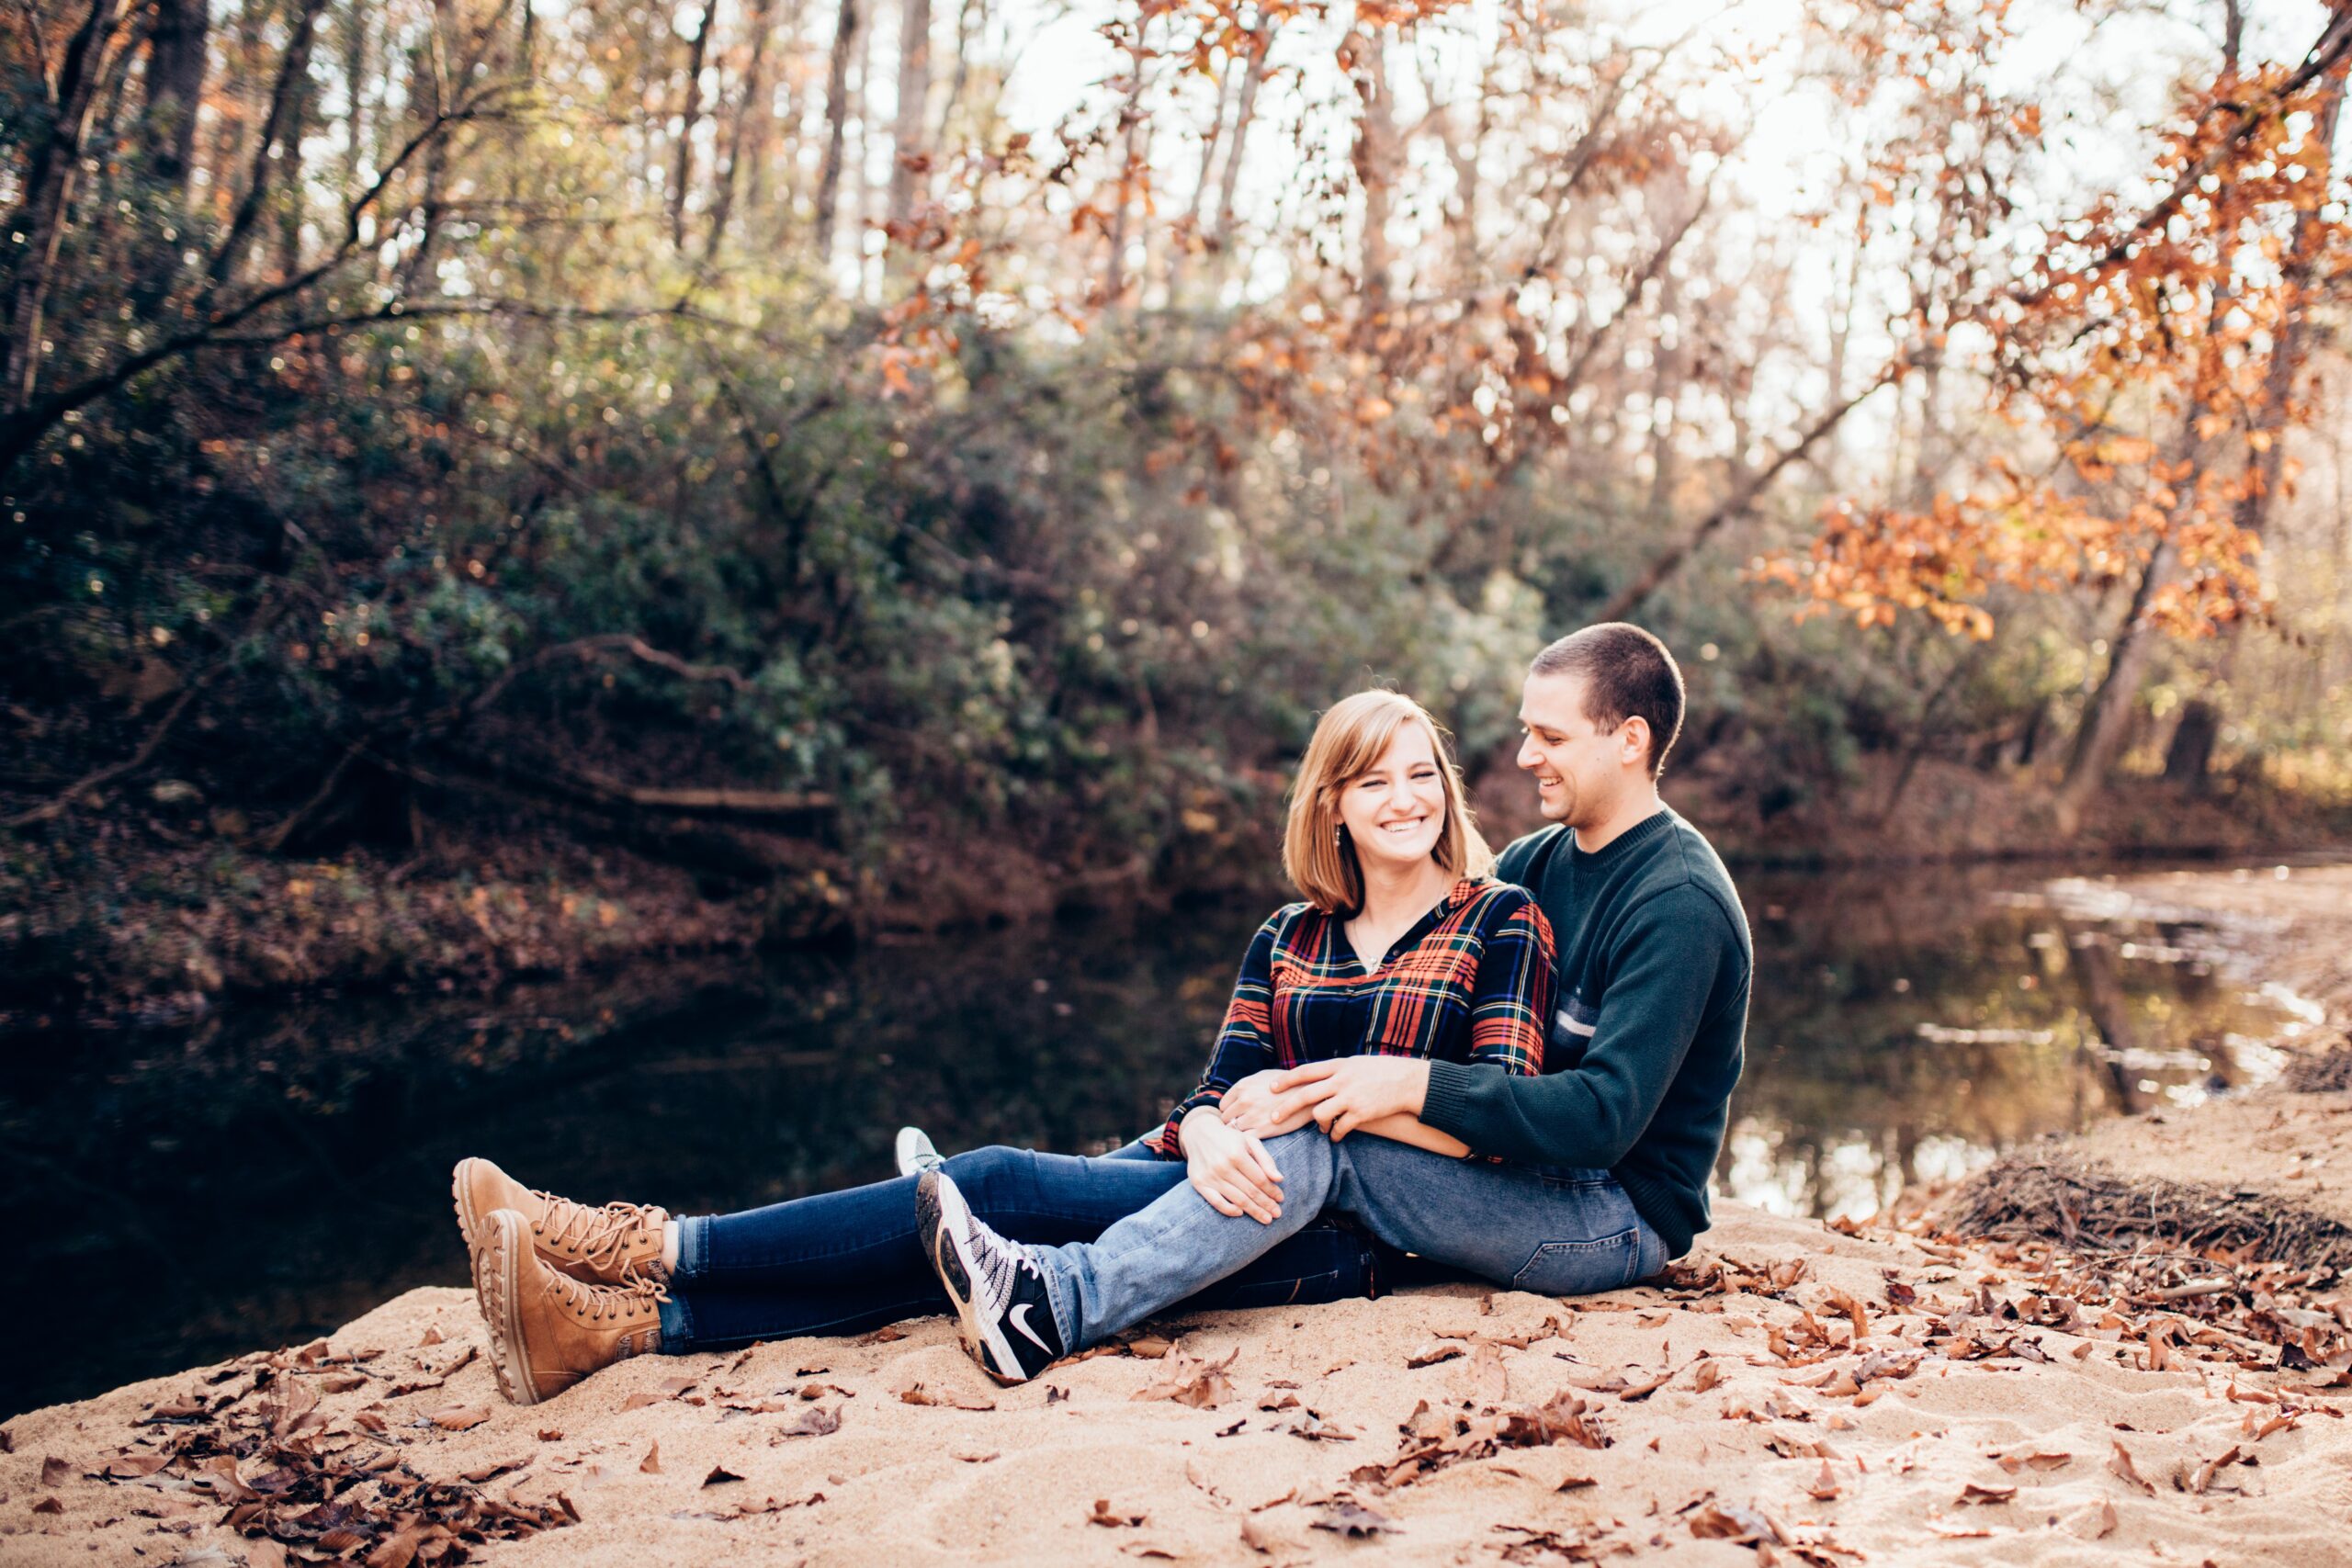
{"points": [[1579, 768]]}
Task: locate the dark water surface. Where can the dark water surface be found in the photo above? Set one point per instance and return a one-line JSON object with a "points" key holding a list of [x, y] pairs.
{"points": [[270, 1173]]}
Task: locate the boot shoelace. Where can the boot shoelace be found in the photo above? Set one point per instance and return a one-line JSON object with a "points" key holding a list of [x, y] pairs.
{"points": [[600, 1236], [636, 1293]]}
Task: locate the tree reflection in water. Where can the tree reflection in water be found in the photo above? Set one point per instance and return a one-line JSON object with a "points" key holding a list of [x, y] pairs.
{"points": [[1911, 1026]]}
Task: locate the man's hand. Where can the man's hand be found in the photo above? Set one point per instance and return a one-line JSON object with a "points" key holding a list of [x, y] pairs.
{"points": [[1353, 1090], [1253, 1106], [1231, 1170]]}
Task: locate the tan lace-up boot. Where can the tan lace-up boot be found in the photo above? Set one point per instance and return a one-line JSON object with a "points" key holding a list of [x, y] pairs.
{"points": [[597, 1245], [548, 1330]]}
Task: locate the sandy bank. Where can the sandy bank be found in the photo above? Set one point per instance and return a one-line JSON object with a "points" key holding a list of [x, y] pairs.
{"points": [[1797, 1395]]}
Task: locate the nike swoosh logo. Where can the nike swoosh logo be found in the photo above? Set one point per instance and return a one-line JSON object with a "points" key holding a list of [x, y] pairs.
{"points": [[1021, 1322]]}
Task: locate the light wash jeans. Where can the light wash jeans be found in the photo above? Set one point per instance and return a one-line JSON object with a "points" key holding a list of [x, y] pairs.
{"points": [[1548, 1229]]}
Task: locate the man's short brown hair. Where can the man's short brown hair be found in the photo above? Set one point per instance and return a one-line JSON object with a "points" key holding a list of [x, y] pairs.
{"points": [[1627, 673]]}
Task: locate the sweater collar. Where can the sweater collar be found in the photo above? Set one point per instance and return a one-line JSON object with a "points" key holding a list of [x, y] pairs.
{"points": [[1657, 824]]}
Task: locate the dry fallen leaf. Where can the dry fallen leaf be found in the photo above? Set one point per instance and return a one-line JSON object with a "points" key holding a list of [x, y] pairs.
{"points": [[1256, 1534], [1952, 1530], [1976, 1492], [1105, 1516], [2093, 1523], [1710, 1373], [1485, 1382], [48, 1505], [2205, 1472], [2019, 1458], [816, 1421], [2121, 1464], [1354, 1520], [651, 1464], [1728, 1521], [640, 1399], [131, 1467], [459, 1417], [1440, 1350], [1824, 1485], [719, 1476], [53, 1470], [916, 1393], [1201, 1385], [431, 1337], [492, 1472]]}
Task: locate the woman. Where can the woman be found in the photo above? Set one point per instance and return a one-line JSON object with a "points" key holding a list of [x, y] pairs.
{"points": [[1401, 947]]}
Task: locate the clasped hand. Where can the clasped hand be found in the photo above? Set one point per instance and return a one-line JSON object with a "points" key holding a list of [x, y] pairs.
{"points": [[1225, 1152], [1341, 1095]]}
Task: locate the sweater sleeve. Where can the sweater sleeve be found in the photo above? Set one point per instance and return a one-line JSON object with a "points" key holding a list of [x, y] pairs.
{"points": [[1673, 948], [1246, 1044], [1511, 1002]]}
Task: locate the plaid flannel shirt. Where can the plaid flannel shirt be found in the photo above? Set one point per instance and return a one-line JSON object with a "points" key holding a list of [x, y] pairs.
{"points": [[1470, 982]]}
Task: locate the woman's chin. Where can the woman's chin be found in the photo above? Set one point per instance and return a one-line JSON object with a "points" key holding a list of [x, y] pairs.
{"points": [[1407, 857]]}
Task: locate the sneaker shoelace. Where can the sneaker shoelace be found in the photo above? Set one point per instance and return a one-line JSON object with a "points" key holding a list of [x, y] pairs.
{"points": [[600, 1236], [1001, 1263]]}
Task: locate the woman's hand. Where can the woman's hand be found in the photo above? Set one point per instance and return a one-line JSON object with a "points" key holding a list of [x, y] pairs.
{"points": [[1231, 1170], [1253, 1106], [1350, 1091]]}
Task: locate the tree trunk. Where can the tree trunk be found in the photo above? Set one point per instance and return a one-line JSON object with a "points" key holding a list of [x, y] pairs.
{"points": [[1666, 381], [910, 148], [1131, 121], [2192, 752], [174, 89], [286, 95], [291, 205], [682, 167], [358, 24], [1253, 76], [941, 127], [2189, 754], [2109, 718], [1228, 82], [52, 169], [829, 180], [748, 106], [1374, 161]]}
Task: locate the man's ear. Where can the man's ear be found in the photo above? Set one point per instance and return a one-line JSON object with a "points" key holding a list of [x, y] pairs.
{"points": [[1634, 740]]}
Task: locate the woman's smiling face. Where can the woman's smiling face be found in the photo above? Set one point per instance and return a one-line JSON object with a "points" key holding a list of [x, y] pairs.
{"points": [[1394, 811]]}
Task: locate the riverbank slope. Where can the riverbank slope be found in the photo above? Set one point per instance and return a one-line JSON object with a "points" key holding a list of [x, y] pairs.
{"points": [[1793, 1394]]}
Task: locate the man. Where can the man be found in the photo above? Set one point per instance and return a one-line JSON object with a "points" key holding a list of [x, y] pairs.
{"points": [[1600, 1165]]}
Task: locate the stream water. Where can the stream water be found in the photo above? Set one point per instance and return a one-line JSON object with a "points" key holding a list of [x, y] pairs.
{"points": [[271, 1172]]}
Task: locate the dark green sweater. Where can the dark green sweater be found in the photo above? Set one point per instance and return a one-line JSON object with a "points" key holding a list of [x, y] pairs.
{"points": [[1645, 1047]]}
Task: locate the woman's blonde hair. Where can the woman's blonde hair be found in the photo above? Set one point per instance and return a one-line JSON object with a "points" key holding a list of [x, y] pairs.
{"points": [[1351, 738]]}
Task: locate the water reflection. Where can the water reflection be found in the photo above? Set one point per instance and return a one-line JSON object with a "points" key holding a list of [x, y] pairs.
{"points": [[272, 1173], [1912, 1028]]}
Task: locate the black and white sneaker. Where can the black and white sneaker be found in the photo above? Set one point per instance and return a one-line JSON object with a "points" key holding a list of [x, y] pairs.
{"points": [[999, 1292], [915, 1153]]}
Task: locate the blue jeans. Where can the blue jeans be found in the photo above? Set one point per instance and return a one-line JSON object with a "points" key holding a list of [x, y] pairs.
{"points": [[846, 1262], [1554, 1231]]}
